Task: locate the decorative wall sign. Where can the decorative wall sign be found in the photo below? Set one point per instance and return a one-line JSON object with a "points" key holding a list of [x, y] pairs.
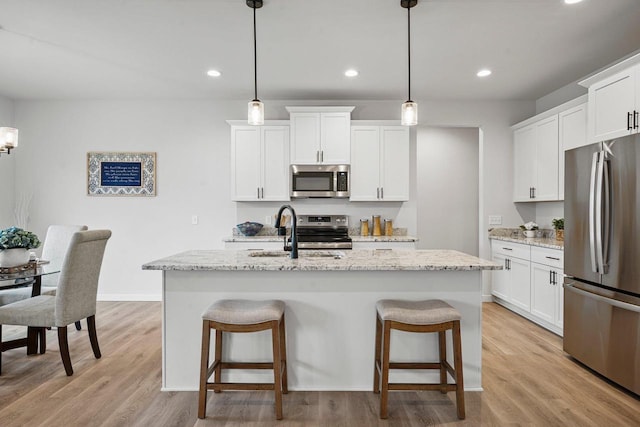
{"points": [[121, 174]]}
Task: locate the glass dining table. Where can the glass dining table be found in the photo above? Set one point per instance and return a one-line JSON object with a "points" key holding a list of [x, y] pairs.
{"points": [[30, 276]]}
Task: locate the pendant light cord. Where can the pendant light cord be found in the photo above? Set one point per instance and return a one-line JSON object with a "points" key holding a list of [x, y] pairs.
{"points": [[409, 47], [255, 57]]}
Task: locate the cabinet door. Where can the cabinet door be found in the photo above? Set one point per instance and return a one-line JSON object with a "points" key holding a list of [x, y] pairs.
{"points": [[520, 283], [305, 138], [500, 279], [395, 163], [546, 159], [523, 163], [275, 163], [245, 163], [572, 133], [335, 138], [365, 163], [610, 101], [543, 293]]}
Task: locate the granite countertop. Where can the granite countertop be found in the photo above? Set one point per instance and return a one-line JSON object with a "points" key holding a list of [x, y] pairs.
{"points": [[546, 240], [357, 260], [355, 238]]}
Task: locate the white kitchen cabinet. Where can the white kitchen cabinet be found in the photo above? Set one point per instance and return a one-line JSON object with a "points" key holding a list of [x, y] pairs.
{"points": [[379, 163], [259, 163], [520, 282], [512, 284], [535, 161], [614, 104], [572, 133], [320, 135]]}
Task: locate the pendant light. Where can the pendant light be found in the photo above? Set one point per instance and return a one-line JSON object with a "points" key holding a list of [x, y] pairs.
{"points": [[255, 111], [409, 108]]}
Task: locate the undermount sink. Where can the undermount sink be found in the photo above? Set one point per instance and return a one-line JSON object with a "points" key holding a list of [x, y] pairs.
{"points": [[301, 254]]}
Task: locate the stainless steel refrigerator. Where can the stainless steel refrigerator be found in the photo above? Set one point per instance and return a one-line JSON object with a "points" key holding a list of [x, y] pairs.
{"points": [[602, 258]]}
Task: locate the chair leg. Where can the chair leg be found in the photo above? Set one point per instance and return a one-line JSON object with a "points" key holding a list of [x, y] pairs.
{"points": [[218, 358], [204, 367], [277, 384], [386, 345], [283, 356], [442, 346], [93, 336], [376, 359], [457, 355], [78, 326], [42, 338], [64, 349], [32, 340]]}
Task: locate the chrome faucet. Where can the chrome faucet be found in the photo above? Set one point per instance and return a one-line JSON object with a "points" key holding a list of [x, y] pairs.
{"points": [[294, 231]]}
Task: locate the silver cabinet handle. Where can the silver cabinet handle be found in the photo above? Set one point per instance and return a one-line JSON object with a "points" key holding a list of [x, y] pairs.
{"points": [[378, 193], [262, 192], [553, 258], [507, 249], [592, 213], [258, 188], [382, 192], [321, 155]]}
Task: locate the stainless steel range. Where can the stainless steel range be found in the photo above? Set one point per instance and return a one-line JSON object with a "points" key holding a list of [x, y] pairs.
{"points": [[323, 232]]}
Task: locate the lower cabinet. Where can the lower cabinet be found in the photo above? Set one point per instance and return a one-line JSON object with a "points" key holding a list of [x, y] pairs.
{"points": [[531, 282]]}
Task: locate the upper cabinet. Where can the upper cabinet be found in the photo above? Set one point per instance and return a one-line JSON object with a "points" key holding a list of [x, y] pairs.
{"points": [[320, 135], [259, 162], [379, 163], [539, 144], [614, 104]]}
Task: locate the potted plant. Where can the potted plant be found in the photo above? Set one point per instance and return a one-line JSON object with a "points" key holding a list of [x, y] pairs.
{"points": [[529, 229], [14, 246], [558, 225]]}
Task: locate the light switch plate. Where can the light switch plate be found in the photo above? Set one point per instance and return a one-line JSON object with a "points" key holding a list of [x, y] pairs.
{"points": [[495, 219], [194, 219]]}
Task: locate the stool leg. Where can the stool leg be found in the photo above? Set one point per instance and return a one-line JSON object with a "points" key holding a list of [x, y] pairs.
{"points": [[386, 344], [457, 355], [442, 345], [277, 383], [217, 377], [376, 359], [283, 356], [204, 367]]}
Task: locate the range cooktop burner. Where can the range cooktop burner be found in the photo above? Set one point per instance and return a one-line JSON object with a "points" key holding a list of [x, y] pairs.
{"points": [[323, 232]]}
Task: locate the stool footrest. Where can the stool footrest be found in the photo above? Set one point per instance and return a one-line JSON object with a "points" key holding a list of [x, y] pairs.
{"points": [[239, 386], [414, 365], [420, 386], [243, 365]]}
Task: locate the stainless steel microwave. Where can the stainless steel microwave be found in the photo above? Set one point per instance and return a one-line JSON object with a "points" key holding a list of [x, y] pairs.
{"points": [[319, 181]]}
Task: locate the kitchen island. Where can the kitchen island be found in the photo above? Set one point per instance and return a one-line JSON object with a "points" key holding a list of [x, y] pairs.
{"points": [[330, 312]]}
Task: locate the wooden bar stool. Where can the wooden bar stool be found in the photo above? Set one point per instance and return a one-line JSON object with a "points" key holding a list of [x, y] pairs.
{"points": [[418, 316], [243, 316]]}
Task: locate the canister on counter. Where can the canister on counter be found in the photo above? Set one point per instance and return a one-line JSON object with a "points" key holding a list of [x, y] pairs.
{"points": [[364, 227], [377, 231], [388, 227]]}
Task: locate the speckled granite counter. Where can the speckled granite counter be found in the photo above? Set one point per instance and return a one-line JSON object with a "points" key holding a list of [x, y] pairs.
{"points": [[353, 260], [547, 239], [355, 238], [330, 310]]}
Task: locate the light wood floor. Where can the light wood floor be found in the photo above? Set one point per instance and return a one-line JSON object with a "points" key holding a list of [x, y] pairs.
{"points": [[526, 377]]}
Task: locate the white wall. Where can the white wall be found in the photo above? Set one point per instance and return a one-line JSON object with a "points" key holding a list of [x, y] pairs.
{"points": [[7, 164], [191, 140]]}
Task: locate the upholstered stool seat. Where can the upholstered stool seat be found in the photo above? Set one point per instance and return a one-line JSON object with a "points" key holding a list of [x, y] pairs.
{"points": [[417, 316], [236, 315]]}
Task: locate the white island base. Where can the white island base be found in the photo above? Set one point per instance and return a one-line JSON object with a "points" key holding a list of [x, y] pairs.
{"points": [[330, 322]]}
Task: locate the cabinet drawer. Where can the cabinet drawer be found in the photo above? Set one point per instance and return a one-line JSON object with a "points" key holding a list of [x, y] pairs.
{"points": [[514, 250], [550, 257]]}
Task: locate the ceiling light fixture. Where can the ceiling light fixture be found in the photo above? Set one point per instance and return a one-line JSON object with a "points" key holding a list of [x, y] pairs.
{"points": [[8, 139], [484, 73], [351, 73], [256, 107], [214, 73], [572, 1], [409, 108]]}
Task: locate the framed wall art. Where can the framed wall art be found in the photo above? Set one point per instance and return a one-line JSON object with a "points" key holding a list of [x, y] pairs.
{"points": [[121, 174]]}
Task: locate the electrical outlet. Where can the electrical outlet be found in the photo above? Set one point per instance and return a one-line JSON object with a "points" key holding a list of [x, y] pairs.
{"points": [[495, 219], [267, 219], [194, 219]]}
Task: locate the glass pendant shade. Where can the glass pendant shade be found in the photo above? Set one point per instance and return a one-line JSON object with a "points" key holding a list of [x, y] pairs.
{"points": [[256, 112], [8, 137], [409, 113]]}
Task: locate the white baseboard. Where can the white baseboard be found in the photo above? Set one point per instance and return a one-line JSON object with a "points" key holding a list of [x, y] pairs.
{"points": [[129, 297], [487, 298]]}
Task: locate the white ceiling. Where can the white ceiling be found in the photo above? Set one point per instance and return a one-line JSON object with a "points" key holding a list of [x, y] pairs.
{"points": [[71, 49]]}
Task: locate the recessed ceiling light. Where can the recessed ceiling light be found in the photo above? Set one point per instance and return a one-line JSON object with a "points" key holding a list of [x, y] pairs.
{"points": [[351, 73], [572, 1], [214, 73], [484, 73]]}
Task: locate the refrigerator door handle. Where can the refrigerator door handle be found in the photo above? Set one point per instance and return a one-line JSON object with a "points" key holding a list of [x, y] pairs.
{"points": [[592, 209], [599, 219], [614, 302], [604, 264]]}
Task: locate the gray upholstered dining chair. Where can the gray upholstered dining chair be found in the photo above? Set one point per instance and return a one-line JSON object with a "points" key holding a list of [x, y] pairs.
{"points": [[75, 297]]}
